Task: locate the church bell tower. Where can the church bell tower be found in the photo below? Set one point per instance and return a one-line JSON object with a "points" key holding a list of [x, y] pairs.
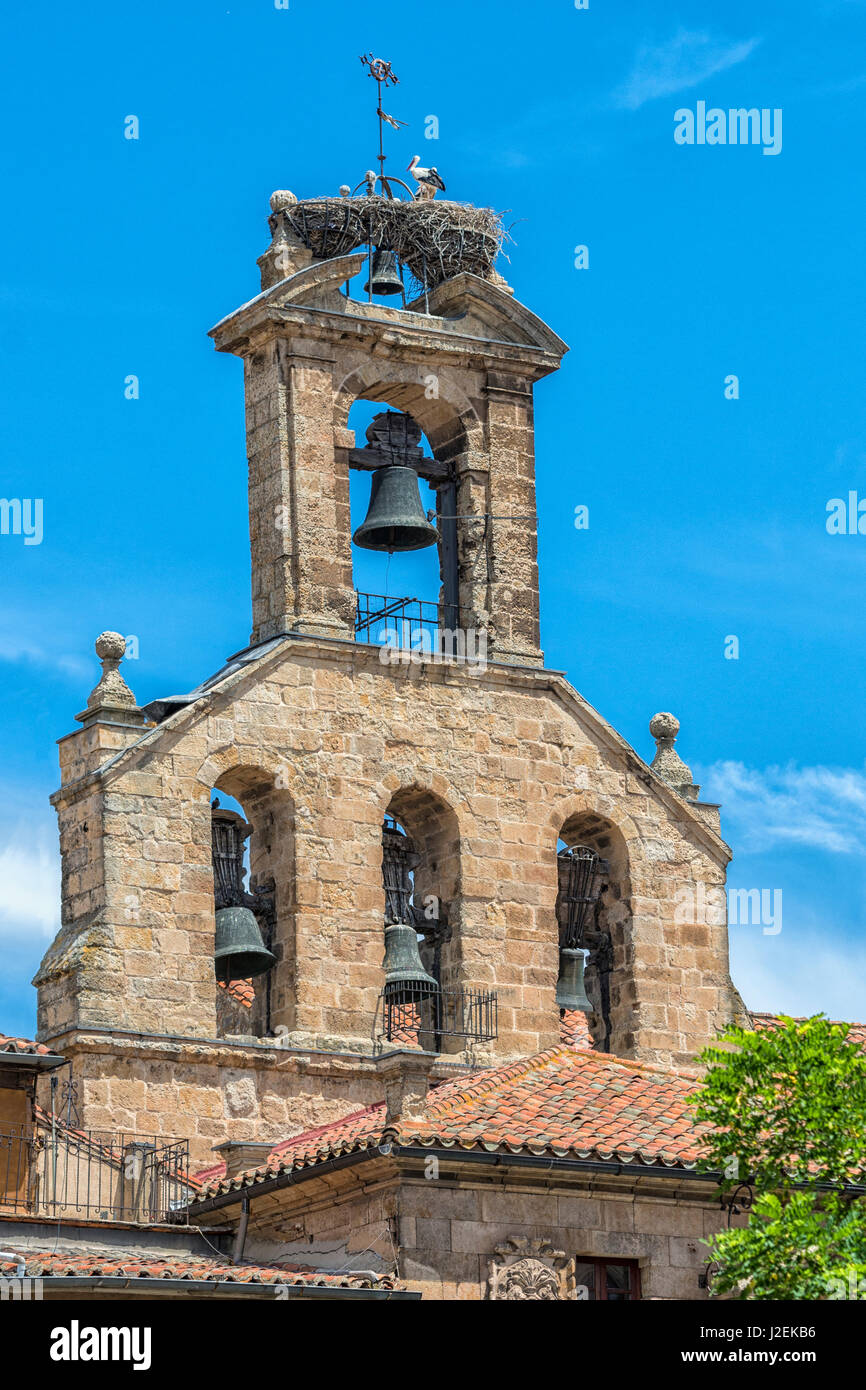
{"points": [[426, 851]]}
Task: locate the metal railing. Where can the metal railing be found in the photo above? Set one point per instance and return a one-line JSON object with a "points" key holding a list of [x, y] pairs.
{"points": [[417, 626], [449, 1013], [59, 1172]]}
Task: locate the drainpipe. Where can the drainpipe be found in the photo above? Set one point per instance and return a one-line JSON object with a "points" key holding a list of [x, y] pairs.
{"points": [[241, 1237]]}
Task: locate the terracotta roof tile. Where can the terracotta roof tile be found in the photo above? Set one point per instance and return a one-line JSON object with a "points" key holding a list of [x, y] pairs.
{"points": [[574, 1029], [569, 1100], [856, 1031], [23, 1045], [84, 1263], [563, 1101], [243, 992]]}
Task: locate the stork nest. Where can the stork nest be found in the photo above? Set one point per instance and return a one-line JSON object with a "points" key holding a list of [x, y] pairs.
{"points": [[435, 240]]}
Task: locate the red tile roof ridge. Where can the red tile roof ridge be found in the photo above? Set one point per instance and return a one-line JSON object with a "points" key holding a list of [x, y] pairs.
{"points": [[802, 1018], [323, 1129], [491, 1079], [563, 1101], [94, 1263], [488, 1080], [22, 1045]]}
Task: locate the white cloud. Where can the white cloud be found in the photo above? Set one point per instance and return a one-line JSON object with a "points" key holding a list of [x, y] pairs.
{"points": [[684, 61], [30, 879], [824, 807], [75, 666]]}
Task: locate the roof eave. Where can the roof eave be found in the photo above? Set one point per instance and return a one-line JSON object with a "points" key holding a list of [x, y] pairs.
{"points": [[550, 1162], [132, 1286]]}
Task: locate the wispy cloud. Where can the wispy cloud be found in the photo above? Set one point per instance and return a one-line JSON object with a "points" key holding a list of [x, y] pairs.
{"points": [[682, 62], [17, 650], [774, 807], [818, 976], [30, 876]]}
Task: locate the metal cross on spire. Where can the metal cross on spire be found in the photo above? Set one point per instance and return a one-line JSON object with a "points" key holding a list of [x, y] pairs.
{"points": [[380, 69]]}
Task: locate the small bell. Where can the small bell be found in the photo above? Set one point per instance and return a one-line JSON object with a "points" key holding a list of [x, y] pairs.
{"points": [[570, 989], [406, 980], [239, 950], [384, 276], [395, 518]]}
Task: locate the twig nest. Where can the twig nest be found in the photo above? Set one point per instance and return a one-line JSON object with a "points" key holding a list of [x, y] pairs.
{"points": [[436, 239]]}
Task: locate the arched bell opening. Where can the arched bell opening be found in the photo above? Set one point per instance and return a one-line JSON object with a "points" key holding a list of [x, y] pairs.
{"points": [[252, 836], [593, 914], [421, 890], [403, 517]]}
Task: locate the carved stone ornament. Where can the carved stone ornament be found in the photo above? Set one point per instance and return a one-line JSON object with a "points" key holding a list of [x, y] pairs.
{"points": [[112, 688], [667, 763], [523, 1270]]}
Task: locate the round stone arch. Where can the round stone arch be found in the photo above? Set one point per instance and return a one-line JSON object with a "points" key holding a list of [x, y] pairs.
{"points": [[448, 419], [459, 437], [610, 966], [424, 807], [269, 807]]}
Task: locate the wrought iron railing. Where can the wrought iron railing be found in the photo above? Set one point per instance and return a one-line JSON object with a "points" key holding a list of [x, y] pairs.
{"points": [[425, 1020], [415, 627], [59, 1172]]}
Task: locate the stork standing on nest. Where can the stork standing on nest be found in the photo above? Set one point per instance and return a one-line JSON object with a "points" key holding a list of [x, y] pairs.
{"points": [[428, 180]]}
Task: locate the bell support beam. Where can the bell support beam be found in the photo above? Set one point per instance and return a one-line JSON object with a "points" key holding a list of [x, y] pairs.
{"points": [[368, 460]]}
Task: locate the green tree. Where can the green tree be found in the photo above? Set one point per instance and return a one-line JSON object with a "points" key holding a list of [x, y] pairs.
{"points": [[785, 1110]]}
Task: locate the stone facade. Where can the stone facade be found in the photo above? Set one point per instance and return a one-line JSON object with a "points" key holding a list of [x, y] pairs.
{"points": [[449, 1224], [318, 737]]}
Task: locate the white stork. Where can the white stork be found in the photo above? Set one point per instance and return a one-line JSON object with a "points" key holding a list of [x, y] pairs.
{"points": [[428, 180]]}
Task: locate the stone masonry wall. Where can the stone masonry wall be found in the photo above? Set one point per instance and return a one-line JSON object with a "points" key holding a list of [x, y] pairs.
{"points": [[446, 1231], [513, 755]]}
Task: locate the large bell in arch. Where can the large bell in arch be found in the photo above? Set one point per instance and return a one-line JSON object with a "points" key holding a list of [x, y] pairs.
{"points": [[239, 950], [384, 274], [570, 988], [406, 980], [395, 518]]}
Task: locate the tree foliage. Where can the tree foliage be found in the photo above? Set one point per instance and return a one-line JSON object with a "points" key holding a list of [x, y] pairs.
{"points": [[786, 1111]]}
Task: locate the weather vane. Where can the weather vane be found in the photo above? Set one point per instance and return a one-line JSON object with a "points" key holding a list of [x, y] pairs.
{"points": [[382, 72]]}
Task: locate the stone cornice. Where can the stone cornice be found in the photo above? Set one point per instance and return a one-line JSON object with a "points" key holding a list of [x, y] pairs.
{"points": [[223, 1052], [535, 350]]}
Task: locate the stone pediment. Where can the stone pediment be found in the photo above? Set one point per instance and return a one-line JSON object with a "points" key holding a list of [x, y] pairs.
{"points": [[465, 306], [488, 310]]}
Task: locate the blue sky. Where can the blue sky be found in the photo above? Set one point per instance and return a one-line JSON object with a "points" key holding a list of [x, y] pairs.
{"points": [[707, 515]]}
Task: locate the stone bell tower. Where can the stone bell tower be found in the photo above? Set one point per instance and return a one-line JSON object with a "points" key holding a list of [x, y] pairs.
{"points": [[461, 362], [493, 774]]}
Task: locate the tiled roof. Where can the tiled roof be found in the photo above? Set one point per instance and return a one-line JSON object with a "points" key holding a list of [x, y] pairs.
{"points": [[574, 1029], [243, 992], [563, 1102], [23, 1045], [84, 1263], [856, 1031]]}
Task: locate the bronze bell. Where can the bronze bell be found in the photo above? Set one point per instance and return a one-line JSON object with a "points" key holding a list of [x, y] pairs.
{"points": [[239, 950], [395, 518], [570, 989], [384, 276], [406, 980]]}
